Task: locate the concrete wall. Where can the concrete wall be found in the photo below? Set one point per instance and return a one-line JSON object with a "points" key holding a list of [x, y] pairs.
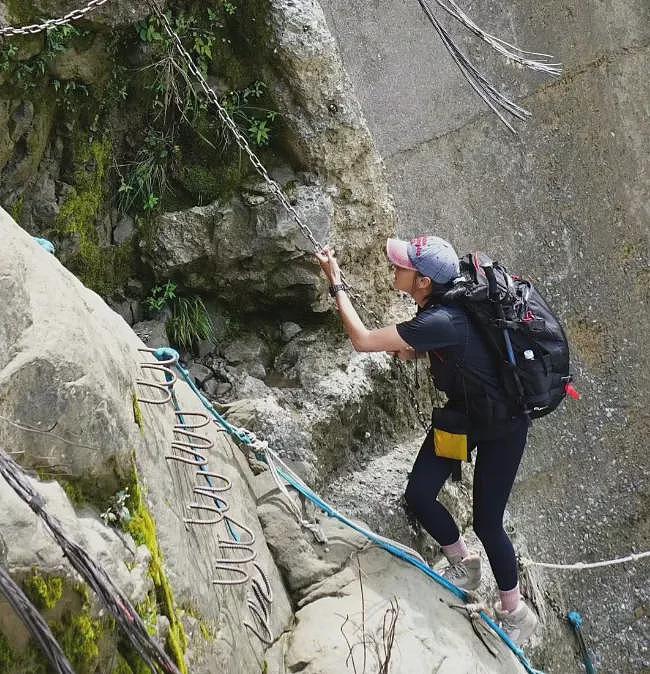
{"points": [[566, 201]]}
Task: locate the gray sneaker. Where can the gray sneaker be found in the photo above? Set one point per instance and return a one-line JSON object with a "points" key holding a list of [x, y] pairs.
{"points": [[518, 624], [464, 573]]}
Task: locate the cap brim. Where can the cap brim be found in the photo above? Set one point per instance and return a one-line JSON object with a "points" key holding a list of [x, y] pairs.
{"points": [[397, 251]]}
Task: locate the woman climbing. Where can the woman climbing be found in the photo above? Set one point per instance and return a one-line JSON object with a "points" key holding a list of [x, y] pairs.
{"points": [[477, 414]]}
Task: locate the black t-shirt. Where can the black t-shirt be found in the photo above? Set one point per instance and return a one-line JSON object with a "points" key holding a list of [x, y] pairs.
{"points": [[448, 336]]}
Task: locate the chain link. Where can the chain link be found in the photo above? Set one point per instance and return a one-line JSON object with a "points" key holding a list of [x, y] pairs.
{"points": [[75, 15], [242, 142]]}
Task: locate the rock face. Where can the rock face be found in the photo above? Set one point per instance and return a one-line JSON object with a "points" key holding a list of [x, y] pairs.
{"points": [[565, 202], [68, 366], [320, 401], [58, 174], [328, 133], [117, 14], [251, 253], [356, 603], [74, 412], [51, 378]]}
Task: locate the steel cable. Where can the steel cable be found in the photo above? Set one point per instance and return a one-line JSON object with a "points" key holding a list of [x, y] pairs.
{"points": [[492, 97], [110, 596], [34, 623]]}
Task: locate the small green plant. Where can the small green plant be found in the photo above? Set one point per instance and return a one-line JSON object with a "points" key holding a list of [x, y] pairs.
{"points": [[68, 93], [161, 296], [7, 56], [200, 40], [255, 119], [29, 73], [44, 590], [259, 132], [146, 179], [174, 89], [149, 31], [189, 322], [117, 511], [58, 38]]}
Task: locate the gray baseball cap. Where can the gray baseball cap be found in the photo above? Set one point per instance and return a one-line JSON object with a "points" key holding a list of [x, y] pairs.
{"points": [[430, 255]]}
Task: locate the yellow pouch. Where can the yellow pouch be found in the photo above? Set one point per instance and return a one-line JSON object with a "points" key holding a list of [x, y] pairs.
{"points": [[450, 445]]}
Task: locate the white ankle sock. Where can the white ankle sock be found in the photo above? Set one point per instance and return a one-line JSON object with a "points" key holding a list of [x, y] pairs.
{"points": [[456, 549], [510, 599]]}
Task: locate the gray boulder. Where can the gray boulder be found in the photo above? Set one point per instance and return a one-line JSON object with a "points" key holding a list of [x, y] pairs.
{"points": [[289, 330], [327, 131], [350, 596], [153, 333], [249, 254]]}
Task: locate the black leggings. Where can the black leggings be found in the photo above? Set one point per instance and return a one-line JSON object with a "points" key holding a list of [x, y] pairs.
{"points": [[499, 452]]}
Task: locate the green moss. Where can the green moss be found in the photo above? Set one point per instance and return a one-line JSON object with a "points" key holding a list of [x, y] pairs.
{"points": [[137, 412], [7, 656], [77, 631], [45, 591], [20, 10], [82, 590], [122, 666], [143, 529], [207, 631], [176, 644], [28, 661], [17, 208], [130, 662], [103, 269], [88, 489], [79, 638], [73, 491], [203, 184], [148, 611]]}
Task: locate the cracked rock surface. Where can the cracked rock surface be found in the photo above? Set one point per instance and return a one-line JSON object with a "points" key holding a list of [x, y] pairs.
{"points": [[356, 601]]}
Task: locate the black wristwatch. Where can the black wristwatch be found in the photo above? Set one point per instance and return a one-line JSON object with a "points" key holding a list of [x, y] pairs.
{"points": [[337, 287]]}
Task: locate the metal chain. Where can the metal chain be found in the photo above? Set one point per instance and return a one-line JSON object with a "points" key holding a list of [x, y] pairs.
{"points": [[75, 15], [228, 121], [232, 126], [242, 142]]}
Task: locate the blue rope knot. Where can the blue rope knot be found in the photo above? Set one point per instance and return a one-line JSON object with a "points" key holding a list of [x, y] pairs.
{"points": [[166, 353], [575, 619]]}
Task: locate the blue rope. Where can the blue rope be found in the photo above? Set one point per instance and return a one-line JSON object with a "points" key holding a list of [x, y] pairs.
{"points": [[413, 561], [575, 620], [329, 510]]}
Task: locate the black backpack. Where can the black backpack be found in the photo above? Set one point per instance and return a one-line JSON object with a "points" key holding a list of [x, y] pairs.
{"points": [[520, 329]]}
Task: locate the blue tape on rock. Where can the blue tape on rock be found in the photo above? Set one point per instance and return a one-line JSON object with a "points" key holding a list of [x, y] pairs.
{"points": [[45, 244]]}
